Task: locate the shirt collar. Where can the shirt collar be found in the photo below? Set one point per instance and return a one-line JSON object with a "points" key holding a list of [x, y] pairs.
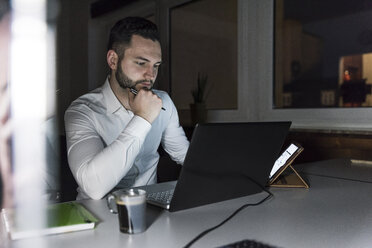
{"points": [[112, 103]]}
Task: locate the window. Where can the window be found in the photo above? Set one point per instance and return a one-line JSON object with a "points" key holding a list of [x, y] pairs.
{"points": [[203, 38], [261, 60], [322, 53]]}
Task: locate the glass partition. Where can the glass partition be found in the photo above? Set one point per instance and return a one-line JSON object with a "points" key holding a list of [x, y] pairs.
{"points": [[323, 54], [203, 44]]}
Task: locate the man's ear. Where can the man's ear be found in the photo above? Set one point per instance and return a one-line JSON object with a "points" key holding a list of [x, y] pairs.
{"points": [[112, 59]]}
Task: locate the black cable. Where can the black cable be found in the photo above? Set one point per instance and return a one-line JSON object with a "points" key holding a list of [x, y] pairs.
{"points": [[229, 218]]}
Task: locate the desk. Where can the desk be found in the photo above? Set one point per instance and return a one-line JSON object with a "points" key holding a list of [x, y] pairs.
{"points": [[334, 212]]}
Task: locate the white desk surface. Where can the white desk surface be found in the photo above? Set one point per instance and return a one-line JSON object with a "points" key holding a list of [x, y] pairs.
{"points": [[334, 212]]}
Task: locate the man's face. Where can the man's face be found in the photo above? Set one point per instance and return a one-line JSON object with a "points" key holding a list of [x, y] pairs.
{"points": [[139, 67]]}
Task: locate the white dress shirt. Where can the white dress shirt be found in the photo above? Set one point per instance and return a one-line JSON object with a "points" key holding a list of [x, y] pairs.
{"points": [[108, 146]]}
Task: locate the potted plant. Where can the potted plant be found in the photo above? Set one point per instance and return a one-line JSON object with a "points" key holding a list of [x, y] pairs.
{"points": [[199, 94]]}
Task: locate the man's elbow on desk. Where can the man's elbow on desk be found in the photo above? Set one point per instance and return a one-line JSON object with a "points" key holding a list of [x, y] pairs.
{"points": [[93, 189], [94, 194]]}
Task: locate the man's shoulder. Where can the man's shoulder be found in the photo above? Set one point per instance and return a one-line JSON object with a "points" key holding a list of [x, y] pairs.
{"points": [[167, 101], [162, 94], [93, 100]]}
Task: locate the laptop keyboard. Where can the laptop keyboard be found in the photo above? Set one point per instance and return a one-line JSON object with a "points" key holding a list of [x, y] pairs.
{"points": [[163, 197]]}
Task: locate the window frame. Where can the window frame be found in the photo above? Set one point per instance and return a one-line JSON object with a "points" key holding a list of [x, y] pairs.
{"points": [[320, 118]]}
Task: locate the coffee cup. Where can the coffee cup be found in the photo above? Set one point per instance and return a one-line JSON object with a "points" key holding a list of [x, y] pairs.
{"points": [[130, 205]]}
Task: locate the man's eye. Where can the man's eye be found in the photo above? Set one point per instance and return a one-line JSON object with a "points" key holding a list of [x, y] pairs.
{"points": [[156, 67], [140, 63]]}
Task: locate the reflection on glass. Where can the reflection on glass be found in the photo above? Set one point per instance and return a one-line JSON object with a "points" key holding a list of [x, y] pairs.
{"points": [[355, 80], [323, 53], [204, 42]]}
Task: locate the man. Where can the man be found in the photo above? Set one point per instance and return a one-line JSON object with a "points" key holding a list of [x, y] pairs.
{"points": [[112, 133]]}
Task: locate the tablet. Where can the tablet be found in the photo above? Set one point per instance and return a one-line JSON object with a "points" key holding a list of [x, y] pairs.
{"points": [[285, 158]]}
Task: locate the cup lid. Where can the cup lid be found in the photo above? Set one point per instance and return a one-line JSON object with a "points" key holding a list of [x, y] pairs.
{"points": [[130, 195]]}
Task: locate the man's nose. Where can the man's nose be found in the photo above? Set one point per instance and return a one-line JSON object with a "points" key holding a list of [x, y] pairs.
{"points": [[150, 73]]}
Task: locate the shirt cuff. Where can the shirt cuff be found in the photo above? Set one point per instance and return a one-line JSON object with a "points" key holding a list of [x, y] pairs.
{"points": [[138, 127]]}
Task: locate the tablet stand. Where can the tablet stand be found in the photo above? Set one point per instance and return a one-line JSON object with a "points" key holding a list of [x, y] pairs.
{"points": [[287, 176]]}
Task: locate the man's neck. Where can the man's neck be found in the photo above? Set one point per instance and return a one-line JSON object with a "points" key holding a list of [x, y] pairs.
{"points": [[120, 93]]}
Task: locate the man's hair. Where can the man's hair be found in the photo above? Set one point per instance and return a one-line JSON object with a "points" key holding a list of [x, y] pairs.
{"points": [[121, 33], [4, 8]]}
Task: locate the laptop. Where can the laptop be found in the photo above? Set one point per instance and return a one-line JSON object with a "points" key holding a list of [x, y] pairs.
{"points": [[224, 161]]}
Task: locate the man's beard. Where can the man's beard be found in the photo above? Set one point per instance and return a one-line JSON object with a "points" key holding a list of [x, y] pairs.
{"points": [[125, 82]]}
